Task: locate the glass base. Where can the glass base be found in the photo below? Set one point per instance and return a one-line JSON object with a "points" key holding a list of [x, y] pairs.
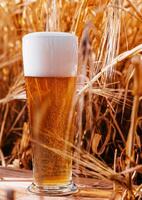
{"points": [[53, 190]]}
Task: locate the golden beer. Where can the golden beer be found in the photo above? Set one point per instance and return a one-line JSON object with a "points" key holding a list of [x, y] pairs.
{"points": [[50, 102], [50, 69]]}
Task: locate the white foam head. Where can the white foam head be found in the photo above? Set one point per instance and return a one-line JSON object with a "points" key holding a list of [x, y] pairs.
{"points": [[50, 54]]}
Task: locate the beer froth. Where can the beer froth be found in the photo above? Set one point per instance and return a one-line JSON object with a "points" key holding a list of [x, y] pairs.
{"points": [[50, 54]]}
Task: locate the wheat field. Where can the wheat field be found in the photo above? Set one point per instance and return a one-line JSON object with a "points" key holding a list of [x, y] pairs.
{"points": [[109, 86]]}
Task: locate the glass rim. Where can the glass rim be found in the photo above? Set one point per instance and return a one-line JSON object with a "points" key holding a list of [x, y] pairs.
{"points": [[49, 34]]}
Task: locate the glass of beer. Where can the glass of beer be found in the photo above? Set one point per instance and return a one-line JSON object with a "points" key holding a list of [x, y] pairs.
{"points": [[50, 69]]}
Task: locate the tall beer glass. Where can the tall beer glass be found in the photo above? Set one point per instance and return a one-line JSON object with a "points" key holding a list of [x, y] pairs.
{"points": [[50, 68]]}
